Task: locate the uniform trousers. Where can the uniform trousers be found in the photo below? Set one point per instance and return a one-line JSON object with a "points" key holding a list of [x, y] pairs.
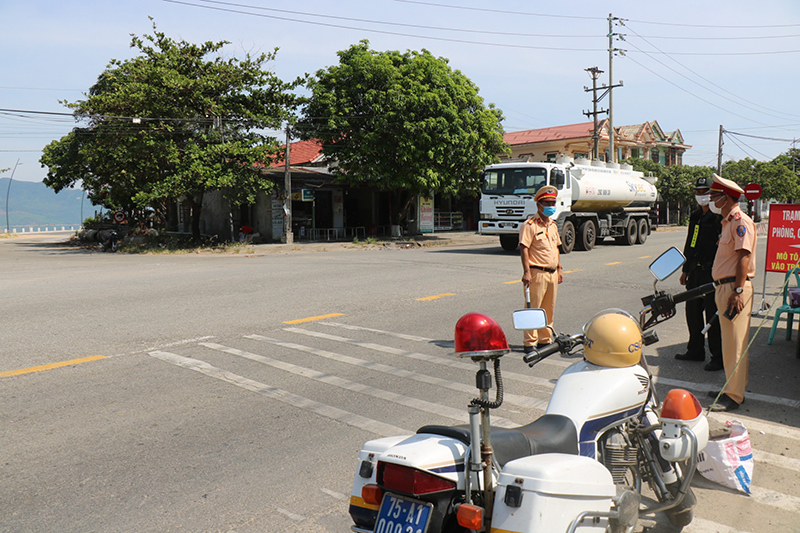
{"points": [[735, 336], [543, 287], [696, 321]]}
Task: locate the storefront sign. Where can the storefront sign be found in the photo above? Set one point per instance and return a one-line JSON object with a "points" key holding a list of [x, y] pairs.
{"points": [[303, 195], [783, 239], [425, 215]]}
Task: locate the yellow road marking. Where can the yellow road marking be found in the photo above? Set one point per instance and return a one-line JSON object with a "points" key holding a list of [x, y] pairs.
{"points": [[515, 281], [312, 318], [428, 298], [614, 263], [51, 366], [571, 271], [645, 256]]}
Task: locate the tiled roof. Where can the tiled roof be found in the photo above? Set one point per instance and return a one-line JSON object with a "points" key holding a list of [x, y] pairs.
{"points": [[302, 153], [570, 131]]}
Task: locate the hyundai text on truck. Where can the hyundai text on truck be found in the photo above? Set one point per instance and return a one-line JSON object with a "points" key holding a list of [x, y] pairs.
{"points": [[595, 200]]}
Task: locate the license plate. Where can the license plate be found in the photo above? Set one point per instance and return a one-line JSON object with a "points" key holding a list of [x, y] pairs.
{"points": [[402, 515]]}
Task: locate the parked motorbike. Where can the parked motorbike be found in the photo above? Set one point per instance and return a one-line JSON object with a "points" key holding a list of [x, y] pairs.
{"points": [[580, 467], [111, 243]]}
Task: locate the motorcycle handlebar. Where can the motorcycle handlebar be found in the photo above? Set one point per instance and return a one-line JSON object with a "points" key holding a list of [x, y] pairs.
{"points": [[702, 290], [563, 344]]}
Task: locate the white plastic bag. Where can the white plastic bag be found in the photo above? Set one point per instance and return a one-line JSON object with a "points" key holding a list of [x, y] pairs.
{"points": [[729, 461]]}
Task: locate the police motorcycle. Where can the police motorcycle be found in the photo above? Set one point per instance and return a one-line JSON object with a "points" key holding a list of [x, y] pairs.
{"points": [[580, 467]]}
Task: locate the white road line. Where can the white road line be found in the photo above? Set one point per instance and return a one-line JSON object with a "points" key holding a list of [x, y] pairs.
{"points": [[452, 362], [700, 525], [328, 411], [335, 495], [390, 333], [290, 514], [705, 387], [755, 425], [407, 401], [781, 461], [514, 399], [555, 362], [760, 495]]}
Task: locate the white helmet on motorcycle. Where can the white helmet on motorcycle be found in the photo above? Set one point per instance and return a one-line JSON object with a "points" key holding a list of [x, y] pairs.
{"points": [[612, 339]]}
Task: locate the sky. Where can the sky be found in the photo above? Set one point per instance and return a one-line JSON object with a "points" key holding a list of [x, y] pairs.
{"points": [[690, 65]]}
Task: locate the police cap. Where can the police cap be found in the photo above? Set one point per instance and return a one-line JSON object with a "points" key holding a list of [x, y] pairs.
{"points": [[548, 191]]}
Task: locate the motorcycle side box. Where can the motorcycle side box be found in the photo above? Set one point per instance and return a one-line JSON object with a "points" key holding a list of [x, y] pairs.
{"points": [[362, 513], [546, 492]]}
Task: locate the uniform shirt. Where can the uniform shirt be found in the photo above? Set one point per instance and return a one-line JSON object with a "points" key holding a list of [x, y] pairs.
{"points": [[542, 240], [701, 241], [738, 233]]}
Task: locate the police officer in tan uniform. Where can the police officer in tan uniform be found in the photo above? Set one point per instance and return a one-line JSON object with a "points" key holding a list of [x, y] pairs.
{"points": [[734, 267], [541, 262]]}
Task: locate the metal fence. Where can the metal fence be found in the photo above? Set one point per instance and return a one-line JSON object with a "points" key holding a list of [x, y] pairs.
{"points": [[49, 228]]}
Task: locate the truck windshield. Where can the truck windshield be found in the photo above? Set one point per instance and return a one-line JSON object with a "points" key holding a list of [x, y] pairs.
{"points": [[514, 180]]}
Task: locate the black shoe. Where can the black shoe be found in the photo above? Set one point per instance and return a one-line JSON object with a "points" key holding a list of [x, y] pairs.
{"points": [[528, 349], [725, 403], [541, 345], [689, 357], [714, 393], [714, 365]]}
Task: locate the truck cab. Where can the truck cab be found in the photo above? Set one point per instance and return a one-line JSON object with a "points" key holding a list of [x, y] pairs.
{"points": [[507, 192]]}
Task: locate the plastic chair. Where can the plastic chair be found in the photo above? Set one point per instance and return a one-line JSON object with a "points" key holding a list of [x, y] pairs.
{"points": [[786, 307]]}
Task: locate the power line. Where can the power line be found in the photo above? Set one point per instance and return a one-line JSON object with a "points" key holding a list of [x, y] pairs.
{"points": [[383, 32], [523, 13], [702, 78]]}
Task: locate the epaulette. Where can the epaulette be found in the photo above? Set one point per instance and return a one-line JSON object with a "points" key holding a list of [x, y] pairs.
{"points": [[737, 215]]}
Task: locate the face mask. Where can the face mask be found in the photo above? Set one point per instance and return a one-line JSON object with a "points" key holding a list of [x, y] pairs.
{"points": [[702, 199], [714, 209], [549, 210]]}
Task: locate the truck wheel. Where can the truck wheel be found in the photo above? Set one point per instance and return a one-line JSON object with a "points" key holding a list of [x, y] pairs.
{"points": [[587, 235], [567, 237], [631, 233], [509, 242], [642, 230]]}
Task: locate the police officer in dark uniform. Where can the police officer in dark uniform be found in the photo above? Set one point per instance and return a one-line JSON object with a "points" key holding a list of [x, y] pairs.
{"points": [[700, 250]]}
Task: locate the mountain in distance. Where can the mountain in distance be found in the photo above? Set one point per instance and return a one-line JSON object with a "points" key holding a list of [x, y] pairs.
{"points": [[35, 204]]}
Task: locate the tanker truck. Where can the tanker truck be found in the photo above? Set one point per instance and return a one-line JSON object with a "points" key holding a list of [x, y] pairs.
{"points": [[595, 200]]}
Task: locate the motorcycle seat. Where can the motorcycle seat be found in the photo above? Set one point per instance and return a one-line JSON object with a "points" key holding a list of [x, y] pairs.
{"points": [[548, 434]]}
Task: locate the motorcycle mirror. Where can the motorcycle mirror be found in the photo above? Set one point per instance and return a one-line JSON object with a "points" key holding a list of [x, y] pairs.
{"points": [[667, 264], [530, 319]]}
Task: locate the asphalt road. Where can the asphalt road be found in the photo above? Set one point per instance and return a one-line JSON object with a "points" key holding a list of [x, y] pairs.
{"points": [[232, 392]]}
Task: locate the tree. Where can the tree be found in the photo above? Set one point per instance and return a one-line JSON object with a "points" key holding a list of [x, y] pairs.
{"points": [[403, 122], [675, 184], [174, 122], [776, 179]]}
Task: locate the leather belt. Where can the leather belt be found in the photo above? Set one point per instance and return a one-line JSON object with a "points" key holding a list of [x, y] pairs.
{"points": [[548, 270], [723, 281]]}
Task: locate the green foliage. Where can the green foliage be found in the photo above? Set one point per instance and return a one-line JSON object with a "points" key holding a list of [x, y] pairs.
{"points": [[775, 177], [403, 122], [176, 121], [675, 184]]}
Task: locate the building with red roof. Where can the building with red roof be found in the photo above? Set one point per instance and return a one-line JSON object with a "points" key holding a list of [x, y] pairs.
{"points": [[637, 141]]}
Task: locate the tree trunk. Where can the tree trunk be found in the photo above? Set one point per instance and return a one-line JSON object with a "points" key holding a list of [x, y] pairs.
{"points": [[197, 206], [401, 201]]}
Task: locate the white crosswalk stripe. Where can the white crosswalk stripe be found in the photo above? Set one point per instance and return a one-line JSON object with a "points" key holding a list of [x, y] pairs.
{"points": [[421, 405], [311, 336], [328, 411]]}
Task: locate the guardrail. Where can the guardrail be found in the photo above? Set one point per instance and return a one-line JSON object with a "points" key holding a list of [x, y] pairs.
{"points": [[49, 228]]}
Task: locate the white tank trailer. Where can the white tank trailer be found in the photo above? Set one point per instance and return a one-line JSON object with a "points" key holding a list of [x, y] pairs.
{"points": [[595, 200]]}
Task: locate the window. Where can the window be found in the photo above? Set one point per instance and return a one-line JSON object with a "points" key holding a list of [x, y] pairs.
{"points": [[526, 180], [636, 153], [551, 157]]}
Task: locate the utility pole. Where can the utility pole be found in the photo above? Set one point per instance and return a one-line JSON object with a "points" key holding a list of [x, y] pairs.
{"points": [[288, 237], [611, 50], [719, 152], [8, 191], [594, 72]]}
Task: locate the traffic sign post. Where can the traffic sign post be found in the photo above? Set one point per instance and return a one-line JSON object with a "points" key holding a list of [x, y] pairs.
{"points": [[119, 216]]}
